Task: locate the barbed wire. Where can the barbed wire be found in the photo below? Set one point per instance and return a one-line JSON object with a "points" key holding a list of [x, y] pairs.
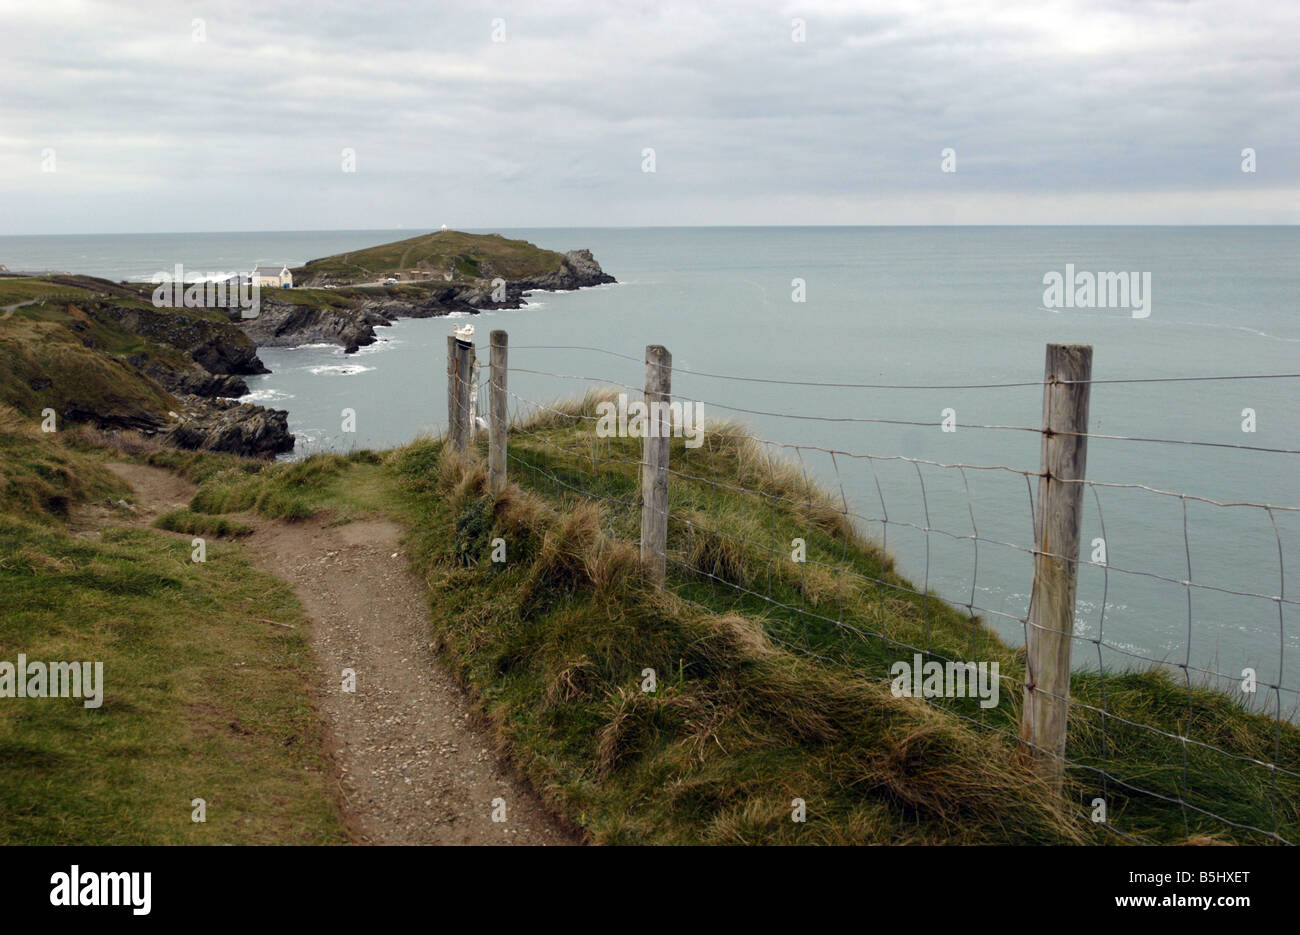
{"points": [[907, 386], [804, 417], [974, 537]]}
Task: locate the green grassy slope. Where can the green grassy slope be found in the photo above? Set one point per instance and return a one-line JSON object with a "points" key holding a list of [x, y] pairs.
{"points": [[205, 665], [76, 367], [742, 543]]}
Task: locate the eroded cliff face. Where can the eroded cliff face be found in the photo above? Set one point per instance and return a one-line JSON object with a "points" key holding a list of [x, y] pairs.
{"points": [[203, 375], [207, 340], [186, 378]]}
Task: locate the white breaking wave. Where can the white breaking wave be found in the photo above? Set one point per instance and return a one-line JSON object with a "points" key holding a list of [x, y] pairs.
{"points": [[1176, 321], [1248, 330], [379, 345], [342, 370], [264, 396]]}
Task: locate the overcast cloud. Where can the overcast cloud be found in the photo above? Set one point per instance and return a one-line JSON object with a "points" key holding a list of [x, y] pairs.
{"points": [[1059, 112]]}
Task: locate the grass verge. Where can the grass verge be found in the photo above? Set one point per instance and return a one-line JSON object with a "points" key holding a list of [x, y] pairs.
{"points": [[199, 524], [205, 666]]}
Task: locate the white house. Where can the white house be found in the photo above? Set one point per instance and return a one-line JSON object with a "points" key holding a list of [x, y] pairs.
{"points": [[272, 277]]}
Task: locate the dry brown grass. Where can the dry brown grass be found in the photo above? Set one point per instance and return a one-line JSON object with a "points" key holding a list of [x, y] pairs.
{"points": [[125, 443]]}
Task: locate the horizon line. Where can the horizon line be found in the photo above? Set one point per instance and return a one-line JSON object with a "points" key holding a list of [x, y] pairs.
{"points": [[433, 230]]}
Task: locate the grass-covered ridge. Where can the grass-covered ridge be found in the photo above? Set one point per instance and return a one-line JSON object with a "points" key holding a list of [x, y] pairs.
{"points": [[449, 255], [78, 367], [742, 540], [346, 486], [556, 643]]}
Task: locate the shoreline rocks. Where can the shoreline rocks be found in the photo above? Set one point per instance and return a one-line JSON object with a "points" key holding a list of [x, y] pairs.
{"points": [[229, 426], [284, 324], [190, 379]]}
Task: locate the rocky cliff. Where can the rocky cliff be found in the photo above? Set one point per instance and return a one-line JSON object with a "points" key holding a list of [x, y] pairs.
{"points": [[96, 353], [285, 324], [205, 337], [230, 426]]}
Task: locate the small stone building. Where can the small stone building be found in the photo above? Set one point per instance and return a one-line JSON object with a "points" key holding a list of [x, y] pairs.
{"points": [[272, 277]]}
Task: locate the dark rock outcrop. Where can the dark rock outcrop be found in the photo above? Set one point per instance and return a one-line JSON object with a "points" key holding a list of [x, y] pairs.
{"points": [[110, 359], [285, 324], [130, 417], [229, 426], [578, 270], [185, 378], [584, 269]]}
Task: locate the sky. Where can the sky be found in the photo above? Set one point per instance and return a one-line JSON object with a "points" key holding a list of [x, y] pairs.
{"points": [[154, 117]]}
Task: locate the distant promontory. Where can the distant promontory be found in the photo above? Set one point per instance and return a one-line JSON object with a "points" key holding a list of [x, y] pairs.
{"points": [[340, 299]]}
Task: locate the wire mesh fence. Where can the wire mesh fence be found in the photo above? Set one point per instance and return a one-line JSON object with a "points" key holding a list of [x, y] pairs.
{"points": [[799, 533]]}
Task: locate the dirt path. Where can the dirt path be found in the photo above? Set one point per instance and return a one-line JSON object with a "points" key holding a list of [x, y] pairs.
{"points": [[413, 767], [8, 310]]}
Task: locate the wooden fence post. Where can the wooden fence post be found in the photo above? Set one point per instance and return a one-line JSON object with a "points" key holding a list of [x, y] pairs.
{"points": [[654, 468], [460, 370], [451, 389], [473, 416], [497, 368], [1056, 553]]}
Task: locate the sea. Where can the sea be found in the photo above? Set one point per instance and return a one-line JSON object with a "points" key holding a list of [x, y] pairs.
{"points": [[781, 327]]}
